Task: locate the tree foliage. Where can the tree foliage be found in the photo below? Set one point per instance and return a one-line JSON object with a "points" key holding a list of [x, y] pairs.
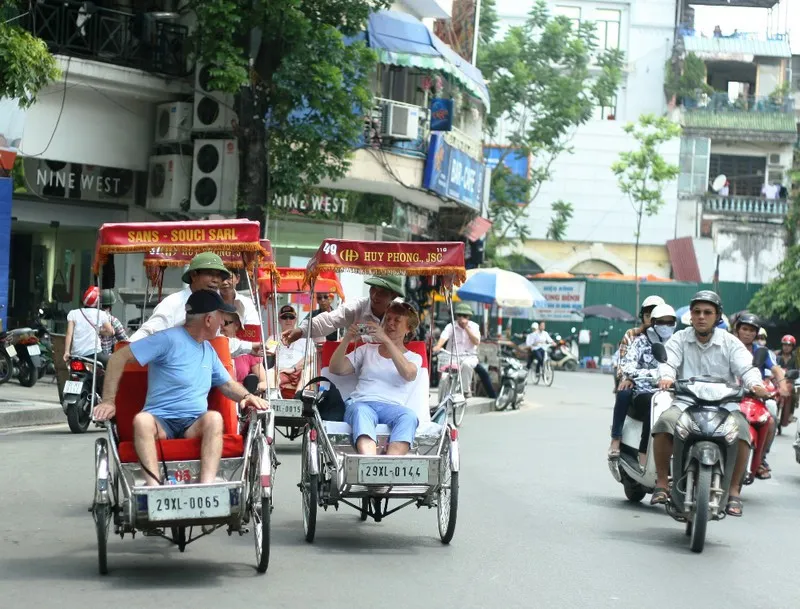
{"points": [[545, 79], [642, 174], [26, 64], [302, 90], [685, 78]]}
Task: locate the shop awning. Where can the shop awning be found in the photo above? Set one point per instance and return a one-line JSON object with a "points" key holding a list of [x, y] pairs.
{"points": [[401, 39]]}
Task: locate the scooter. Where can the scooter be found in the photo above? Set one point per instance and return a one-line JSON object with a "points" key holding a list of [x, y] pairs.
{"points": [[29, 364], [8, 353], [513, 379], [638, 482], [561, 356], [76, 400], [705, 445]]}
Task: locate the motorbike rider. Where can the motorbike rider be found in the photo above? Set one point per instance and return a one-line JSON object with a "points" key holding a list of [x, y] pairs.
{"points": [[788, 360], [537, 341], [85, 326], [638, 359], [703, 349], [467, 336], [648, 304], [747, 327]]}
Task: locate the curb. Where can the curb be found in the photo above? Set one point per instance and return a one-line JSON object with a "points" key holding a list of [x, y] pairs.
{"points": [[32, 416]]}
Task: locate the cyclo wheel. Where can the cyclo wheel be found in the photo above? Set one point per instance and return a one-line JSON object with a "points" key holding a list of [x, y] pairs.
{"points": [[364, 509], [459, 410], [447, 504], [179, 537], [101, 513], [444, 387], [548, 373], [309, 490], [260, 508]]}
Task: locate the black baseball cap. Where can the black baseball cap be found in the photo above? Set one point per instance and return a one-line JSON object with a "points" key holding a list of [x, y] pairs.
{"points": [[287, 308], [207, 301]]}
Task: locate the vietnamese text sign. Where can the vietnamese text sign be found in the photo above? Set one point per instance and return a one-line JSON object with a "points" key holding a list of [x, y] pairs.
{"points": [[564, 300], [453, 173]]}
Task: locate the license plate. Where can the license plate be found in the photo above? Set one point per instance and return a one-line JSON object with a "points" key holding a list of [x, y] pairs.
{"points": [[188, 503], [12, 352], [73, 387], [394, 471], [34, 350], [287, 409]]}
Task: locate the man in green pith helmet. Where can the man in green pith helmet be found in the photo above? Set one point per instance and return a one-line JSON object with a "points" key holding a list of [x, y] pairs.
{"points": [[467, 336], [382, 291]]}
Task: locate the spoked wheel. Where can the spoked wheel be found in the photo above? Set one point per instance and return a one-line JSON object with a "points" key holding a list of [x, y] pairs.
{"points": [[179, 537], [702, 496], [548, 373], [364, 509], [260, 508], [444, 387], [504, 398], [102, 520], [779, 420], [534, 375], [309, 489], [447, 504], [78, 415], [459, 410], [6, 367]]}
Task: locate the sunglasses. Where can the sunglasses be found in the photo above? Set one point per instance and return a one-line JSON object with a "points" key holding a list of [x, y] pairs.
{"points": [[288, 317], [228, 322]]}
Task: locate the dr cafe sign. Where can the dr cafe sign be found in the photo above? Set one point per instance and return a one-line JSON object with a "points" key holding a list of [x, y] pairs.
{"points": [[308, 203]]}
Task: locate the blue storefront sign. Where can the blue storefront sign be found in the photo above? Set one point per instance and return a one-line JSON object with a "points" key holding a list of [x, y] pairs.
{"points": [[5, 240], [454, 174], [441, 114]]}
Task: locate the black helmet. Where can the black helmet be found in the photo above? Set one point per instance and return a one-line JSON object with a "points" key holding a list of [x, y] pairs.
{"points": [[748, 318], [709, 297]]}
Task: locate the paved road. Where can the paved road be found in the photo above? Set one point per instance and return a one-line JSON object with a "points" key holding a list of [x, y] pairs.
{"points": [[541, 524]]}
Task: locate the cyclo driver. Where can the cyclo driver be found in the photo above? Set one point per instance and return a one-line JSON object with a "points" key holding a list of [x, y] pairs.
{"points": [[703, 349]]}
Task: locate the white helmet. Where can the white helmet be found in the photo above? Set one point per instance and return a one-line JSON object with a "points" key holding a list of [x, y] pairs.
{"points": [[663, 310], [651, 301]]}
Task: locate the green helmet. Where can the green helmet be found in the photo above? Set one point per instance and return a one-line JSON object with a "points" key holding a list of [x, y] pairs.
{"points": [[108, 298], [462, 308], [393, 283], [204, 261]]}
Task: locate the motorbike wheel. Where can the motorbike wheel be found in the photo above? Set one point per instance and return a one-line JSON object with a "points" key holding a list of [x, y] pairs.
{"points": [[634, 492], [27, 374], [504, 397], [6, 367], [702, 497], [78, 417], [570, 366]]}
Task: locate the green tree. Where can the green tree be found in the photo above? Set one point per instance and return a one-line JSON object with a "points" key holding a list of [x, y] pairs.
{"points": [[487, 22], [685, 78], [301, 91], [543, 85], [642, 174]]}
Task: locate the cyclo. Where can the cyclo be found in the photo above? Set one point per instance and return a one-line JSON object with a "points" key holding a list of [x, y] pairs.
{"points": [[286, 405], [247, 468], [332, 472]]}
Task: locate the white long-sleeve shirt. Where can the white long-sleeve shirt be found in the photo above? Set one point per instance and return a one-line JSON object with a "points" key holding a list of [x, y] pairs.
{"points": [[345, 315], [171, 312]]}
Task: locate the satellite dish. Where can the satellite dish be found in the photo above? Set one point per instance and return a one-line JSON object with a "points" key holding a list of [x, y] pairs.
{"points": [[719, 182]]}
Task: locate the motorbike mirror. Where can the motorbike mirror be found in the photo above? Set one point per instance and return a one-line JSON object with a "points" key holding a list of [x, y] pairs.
{"points": [[793, 375], [660, 353], [760, 357], [572, 330]]}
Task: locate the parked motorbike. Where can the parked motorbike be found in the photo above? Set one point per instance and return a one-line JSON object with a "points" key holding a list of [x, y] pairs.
{"points": [[28, 364], [77, 393], [45, 344], [513, 379], [705, 445], [561, 356], [8, 354]]}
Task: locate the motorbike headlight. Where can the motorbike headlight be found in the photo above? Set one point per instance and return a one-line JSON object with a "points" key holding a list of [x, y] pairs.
{"points": [[685, 426], [729, 430]]}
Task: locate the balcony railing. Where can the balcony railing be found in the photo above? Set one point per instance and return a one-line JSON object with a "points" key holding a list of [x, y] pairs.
{"points": [[755, 206], [417, 148], [138, 40], [721, 102], [463, 142]]}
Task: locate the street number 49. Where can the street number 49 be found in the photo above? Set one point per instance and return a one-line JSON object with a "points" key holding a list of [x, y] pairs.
{"points": [[330, 248]]}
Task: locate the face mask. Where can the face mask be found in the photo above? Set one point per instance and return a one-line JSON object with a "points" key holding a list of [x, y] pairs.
{"points": [[660, 333]]}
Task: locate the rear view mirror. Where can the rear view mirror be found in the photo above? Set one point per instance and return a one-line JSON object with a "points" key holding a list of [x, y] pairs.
{"points": [[760, 357], [660, 353], [572, 330], [793, 375]]}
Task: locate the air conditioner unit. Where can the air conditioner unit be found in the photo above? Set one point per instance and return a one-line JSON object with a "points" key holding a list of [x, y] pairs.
{"points": [[106, 184], [168, 182], [213, 110], [774, 159], [173, 122], [215, 177], [400, 122]]}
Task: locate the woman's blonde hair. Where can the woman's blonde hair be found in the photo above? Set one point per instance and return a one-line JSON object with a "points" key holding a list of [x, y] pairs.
{"points": [[410, 313]]}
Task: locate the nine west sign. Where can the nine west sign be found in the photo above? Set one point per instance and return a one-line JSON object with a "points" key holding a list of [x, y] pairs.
{"points": [[307, 203], [58, 179], [87, 182]]}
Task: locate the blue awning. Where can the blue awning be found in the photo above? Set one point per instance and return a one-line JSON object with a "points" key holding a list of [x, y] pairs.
{"points": [[402, 39]]}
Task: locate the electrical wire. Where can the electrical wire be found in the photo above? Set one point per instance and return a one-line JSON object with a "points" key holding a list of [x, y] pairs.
{"points": [[60, 114]]}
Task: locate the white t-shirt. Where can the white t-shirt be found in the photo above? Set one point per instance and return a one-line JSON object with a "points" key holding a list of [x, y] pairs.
{"points": [[289, 356], [465, 345], [85, 337], [378, 378]]}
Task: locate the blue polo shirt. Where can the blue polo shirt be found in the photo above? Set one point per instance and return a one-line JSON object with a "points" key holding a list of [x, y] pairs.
{"points": [[181, 373]]}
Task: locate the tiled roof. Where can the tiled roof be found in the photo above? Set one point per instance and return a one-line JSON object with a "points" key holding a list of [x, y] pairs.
{"points": [[683, 259], [737, 46], [776, 122]]}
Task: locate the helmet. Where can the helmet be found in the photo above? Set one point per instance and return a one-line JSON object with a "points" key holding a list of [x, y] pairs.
{"points": [[762, 333], [649, 303], [709, 297], [788, 340], [462, 308], [108, 298], [208, 261], [749, 319], [90, 296], [662, 310]]}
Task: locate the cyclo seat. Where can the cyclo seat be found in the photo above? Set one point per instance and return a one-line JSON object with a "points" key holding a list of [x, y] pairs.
{"points": [[130, 401]]}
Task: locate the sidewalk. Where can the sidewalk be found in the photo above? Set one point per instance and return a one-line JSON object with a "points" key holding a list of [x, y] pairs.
{"points": [[22, 406], [474, 405]]}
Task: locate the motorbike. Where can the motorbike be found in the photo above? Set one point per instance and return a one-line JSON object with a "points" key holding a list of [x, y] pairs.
{"points": [[513, 379], [28, 364], [45, 344], [76, 398], [705, 445], [8, 354], [561, 355]]}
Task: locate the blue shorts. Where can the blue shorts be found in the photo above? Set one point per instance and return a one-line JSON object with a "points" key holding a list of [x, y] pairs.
{"points": [[364, 417], [175, 428]]}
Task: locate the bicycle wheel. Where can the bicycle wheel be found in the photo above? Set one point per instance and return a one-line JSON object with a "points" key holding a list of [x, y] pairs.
{"points": [[548, 373]]}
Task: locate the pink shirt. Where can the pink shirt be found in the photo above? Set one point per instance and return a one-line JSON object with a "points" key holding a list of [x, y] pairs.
{"points": [[244, 364]]}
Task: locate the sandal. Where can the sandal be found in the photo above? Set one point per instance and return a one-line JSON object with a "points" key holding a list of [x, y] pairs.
{"points": [[660, 496], [763, 473], [734, 507], [613, 453]]}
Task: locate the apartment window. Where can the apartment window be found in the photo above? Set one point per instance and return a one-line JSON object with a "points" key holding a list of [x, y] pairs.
{"points": [[607, 112], [694, 161], [607, 24], [573, 13]]}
